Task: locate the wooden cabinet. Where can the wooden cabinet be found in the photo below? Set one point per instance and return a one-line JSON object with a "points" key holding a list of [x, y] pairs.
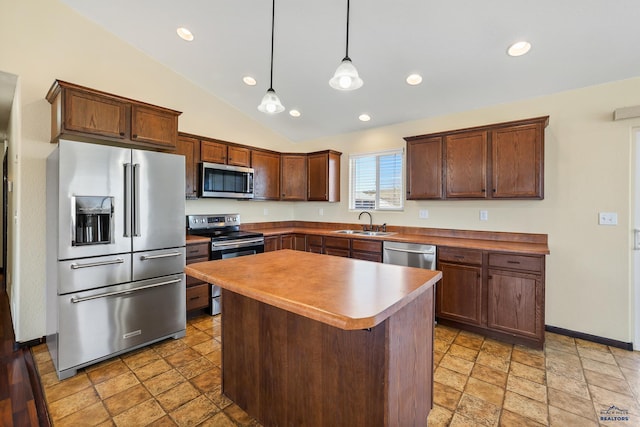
{"points": [[266, 178], [214, 151], [272, 243], [338, 246], [314, 244], [515, 295], [323, 176], [81, 112], [368, 250], [197, 291], [498, 294], [189, 147], [459, 294], [296, 242], [293, 177], [424, 168], [498, 161]]}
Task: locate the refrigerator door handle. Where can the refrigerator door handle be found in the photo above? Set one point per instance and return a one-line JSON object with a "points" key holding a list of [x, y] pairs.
{"points": [[136, 200], [172, 254], [127, 199], [128, 291], [75, 265]]}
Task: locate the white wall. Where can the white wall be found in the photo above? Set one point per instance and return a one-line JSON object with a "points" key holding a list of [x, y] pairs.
{"points": [[587, 166]]}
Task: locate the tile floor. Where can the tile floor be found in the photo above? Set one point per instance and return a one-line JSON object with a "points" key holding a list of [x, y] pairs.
{"points": [[478, 382]]}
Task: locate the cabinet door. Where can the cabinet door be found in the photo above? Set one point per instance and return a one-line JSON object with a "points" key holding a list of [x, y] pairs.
{"points": [[323, 176], [515, 303], [213, 152], [154, 126], [517, 162], [293, 177], [272, 243], [368, 250], [466, 165], [190, 149], [459, 293], [424, 169], [238, 156], [95, 114], [266, 178]]}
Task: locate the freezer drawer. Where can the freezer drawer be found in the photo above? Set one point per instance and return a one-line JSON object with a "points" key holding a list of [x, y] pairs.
{"points": [[149, 264], [95, 272], [96, 324]]}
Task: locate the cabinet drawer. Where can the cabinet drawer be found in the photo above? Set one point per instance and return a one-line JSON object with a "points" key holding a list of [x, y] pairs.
{"points": [[336, 242], [198, 250], [366, 245], [197, 296], [337, 252], [516, 262], [314, 240], [367, 256], [464, 256]]}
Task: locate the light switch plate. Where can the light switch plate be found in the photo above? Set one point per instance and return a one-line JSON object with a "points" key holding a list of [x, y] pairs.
{"points": [[608, 218], [484, 215], [423, 214], [321, 211]]}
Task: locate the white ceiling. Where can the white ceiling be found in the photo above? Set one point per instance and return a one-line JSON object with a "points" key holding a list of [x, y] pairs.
{"points": [[459, 46]]}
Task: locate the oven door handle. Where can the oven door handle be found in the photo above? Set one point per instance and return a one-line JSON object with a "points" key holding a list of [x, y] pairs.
{"points": [[236, 242], [147, 257], [128, 291]]}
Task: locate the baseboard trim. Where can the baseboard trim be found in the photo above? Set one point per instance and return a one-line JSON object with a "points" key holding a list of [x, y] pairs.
{"points": [[588, 337]]}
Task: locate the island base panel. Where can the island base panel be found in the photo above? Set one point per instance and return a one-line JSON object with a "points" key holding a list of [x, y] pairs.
{"points": [[286, 369]]}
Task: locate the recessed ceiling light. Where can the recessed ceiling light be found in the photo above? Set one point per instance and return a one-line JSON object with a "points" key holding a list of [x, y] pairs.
{"points": [[414, 79], [294, 113], [249, 81], [519, 48], [184, 34], [364, 117]]}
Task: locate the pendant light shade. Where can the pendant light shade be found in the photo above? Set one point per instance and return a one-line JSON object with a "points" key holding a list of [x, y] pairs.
{"points": [[270, 102], [346, 76]]}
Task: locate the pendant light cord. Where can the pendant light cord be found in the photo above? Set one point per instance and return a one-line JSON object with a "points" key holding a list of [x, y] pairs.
{"points": [[273, 17], [346, 55]]}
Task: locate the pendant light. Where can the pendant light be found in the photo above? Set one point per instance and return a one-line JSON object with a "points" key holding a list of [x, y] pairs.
{"points": [[346, 76], [270, 102]]}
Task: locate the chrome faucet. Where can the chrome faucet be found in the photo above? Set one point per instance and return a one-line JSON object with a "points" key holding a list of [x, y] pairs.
{"points": [[364, 227]]}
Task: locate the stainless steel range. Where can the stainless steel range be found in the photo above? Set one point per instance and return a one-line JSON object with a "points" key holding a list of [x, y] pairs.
{"points": [[227, 241]]}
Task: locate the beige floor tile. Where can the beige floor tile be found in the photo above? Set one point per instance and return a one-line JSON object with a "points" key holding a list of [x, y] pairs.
{"points": [[479, 410], [463, 352], [440, 345], [109, 371], [163, 382], [571, 403], [580, 343], [568, 385], [72, 403], [459, 420], [196, 337], [177, 396], [469, 340], [437, 357], [117, 384], [165, 421], [510, 419], [628, 359], [140, 415], [91, 415], [485, 391], [603, 399], [530, 389], [489, 375], [207, 347], [194, 412], [527, 372], [448, 377], [561, 346], [618, 385], [140, 358], [208, 381], [182, 357], [215, 357], [218, 420], [497, 348], [67, 387], [492, 361], [445, 396], [196, 367], [456, 364], [525, 357], [557, 338], [564, 364], [603, 355], [603, 368], [526, 407], [152, 369], [445, 333], [237, 414], [562, 418], [169, 347], [126, 399], [633, 379], [218, 398], [439, 417]]}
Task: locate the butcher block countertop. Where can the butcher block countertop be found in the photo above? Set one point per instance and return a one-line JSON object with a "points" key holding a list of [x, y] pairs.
{"points": [[345, 293]]}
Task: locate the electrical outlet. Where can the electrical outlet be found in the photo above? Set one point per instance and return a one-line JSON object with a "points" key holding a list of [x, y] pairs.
{"points": [[423, 214], [608, 218], [484, 215], [265, 211], [321, 211]]}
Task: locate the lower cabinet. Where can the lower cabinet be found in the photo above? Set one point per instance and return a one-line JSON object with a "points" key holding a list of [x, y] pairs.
{"points": [[368, 250], [296, 242], [498, 294], [272, 243], [337, 246], [314, 244], [197, 291]]}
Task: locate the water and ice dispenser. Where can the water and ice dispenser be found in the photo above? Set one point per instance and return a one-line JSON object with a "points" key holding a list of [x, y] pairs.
{"points": [[93, 220]]}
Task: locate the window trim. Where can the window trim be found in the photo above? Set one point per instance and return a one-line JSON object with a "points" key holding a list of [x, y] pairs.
{"points": [[377, 154]]}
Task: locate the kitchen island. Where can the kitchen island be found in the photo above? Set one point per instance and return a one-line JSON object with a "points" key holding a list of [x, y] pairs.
{"points": [[319, 340]]}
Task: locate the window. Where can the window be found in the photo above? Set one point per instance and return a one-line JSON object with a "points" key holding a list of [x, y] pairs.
{"points": [[376, 180]]}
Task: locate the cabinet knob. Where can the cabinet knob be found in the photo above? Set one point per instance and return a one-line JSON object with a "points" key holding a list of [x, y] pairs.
{"points": [[494, 190], [134, 135], [484, 191], [121, 133]]}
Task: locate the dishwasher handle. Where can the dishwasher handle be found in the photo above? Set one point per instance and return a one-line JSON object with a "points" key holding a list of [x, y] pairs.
{"points": [[411, 251]]}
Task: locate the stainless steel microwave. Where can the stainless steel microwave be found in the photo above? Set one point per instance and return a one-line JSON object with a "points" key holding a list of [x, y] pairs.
{"points": [[227, 181]]}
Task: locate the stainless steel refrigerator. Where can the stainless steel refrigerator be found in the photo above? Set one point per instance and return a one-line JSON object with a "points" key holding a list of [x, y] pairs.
{"points": [[115, 251]]}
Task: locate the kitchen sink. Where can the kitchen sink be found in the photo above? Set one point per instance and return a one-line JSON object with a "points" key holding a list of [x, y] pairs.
{"points": [[365, 233]]}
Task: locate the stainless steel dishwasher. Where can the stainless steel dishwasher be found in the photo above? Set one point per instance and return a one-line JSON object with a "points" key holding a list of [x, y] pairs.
{"points": [[409, 255]]}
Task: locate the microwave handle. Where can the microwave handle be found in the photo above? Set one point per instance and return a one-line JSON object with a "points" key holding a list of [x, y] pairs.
{"points": [[249, 182]]}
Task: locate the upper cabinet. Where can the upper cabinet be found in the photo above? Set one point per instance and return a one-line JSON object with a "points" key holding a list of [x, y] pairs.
{"points": [[323, 176], [189, 147], [499, 161], [80, 112], [266, 178], [214, 151], [293, 177]]}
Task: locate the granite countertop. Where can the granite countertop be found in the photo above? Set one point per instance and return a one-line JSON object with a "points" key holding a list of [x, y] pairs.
{"points": [[342, 292]]}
